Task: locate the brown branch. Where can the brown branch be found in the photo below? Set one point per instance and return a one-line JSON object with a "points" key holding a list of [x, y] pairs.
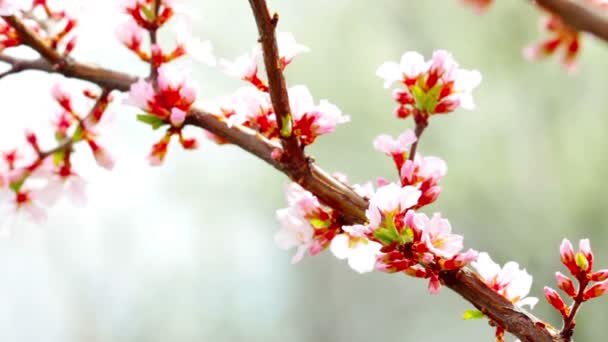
{"points": [[314, 179], [580, 15], [30, 38], [293, 151]]}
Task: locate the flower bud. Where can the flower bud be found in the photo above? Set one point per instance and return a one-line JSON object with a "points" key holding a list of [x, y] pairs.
{"points": [[556, 300], [600, 275], [596, 290], [565, 284]]}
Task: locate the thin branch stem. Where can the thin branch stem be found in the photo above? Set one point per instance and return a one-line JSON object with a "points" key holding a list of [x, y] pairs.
{"points": [[293, 151], [579, 15], [418, 131], [569, 323]]}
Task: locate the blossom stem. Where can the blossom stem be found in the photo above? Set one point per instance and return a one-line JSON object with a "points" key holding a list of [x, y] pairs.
{"points": [[569, 323], [420, 127], [153, 41]]}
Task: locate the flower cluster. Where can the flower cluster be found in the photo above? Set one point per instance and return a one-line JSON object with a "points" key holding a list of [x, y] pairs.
{"points": [[32, 179], [424, 173], [437, 86], [580, 266], [561, 36], [251, 106], [56, 27], [168, 96], [509, 281], [306, 224]]}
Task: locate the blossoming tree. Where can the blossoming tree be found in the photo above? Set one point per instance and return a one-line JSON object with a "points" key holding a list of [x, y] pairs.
{"points": [[380, 226]]}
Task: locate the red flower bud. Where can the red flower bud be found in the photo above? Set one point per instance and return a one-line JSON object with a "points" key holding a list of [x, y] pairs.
{"points": [[565, 284], [556, 301], [596, 290]]}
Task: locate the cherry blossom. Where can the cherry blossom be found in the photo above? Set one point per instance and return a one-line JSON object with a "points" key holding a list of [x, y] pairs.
{"points": [[438, 237], [437, 86], [312, 120], [357, 248], [509, 281], [561, 36], [288, 48], [305, 223], [391, 200]]}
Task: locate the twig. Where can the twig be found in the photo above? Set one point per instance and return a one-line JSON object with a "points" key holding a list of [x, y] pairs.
{"points": [[293, 151], [580, 15]]}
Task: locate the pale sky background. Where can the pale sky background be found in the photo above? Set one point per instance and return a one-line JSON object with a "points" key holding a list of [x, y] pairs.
{"points": [[184, 252]]}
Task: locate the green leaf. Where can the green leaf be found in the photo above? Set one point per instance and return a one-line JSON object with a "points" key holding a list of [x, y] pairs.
{"points": [[58, 157], [386, 235], [472, 314], [318, 223], [78, 133], [148, 12], [407, 235], [16, 186], [286, 126], [154, 121]]}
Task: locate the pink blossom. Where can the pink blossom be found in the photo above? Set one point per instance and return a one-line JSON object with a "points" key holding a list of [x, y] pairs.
{"points": [[178, 117], [102, 157], [510, 282], [561, 37], [434, 87], [59, 184], [354, 246], [295, 231], [386, 144], [130, 34], [288, 47], [411, 66], [389, 200], [244, 67], [312, 120], [437, 235], [200, 51]]}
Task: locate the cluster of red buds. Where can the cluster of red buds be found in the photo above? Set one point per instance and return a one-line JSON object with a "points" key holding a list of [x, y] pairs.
{"points": [[591, 284], [55, 27], [167, 96]]}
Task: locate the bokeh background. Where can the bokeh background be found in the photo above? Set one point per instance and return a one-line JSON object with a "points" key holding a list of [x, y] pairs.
{"points": [[184, 252]]}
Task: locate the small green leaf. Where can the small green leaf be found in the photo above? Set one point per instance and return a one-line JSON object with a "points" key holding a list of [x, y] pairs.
{"points": [[472, 314], [407, 235], [386, 235], [16, 186], [154, 121], [286, 126], [78, 133], [149, 12], [58, 157], [318, 223]]}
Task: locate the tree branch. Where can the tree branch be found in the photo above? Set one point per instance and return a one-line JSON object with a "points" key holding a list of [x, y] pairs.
{"points": [[580, 15], [329, 190], [293, 151]]}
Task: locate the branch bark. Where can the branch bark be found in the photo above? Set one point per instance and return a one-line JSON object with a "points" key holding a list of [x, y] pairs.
{"points": [[329, 190], [580, 15], [293, 151]]}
